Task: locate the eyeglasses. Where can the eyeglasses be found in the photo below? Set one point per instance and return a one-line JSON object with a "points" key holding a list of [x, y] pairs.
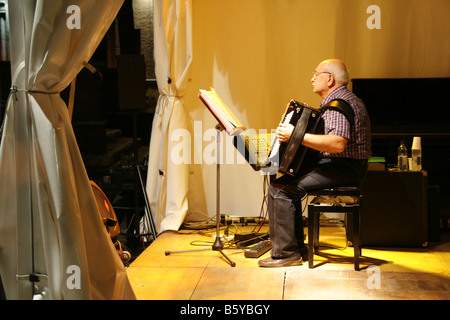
{"points": [[316, 73]]}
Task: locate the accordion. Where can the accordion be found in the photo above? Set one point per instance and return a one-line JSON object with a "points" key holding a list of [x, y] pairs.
{"points": [[264, 151], [287, 157]]}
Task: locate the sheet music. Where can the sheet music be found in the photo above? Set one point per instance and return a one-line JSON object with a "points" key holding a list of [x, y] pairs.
{"points": [[259, 145], [221, 111]]}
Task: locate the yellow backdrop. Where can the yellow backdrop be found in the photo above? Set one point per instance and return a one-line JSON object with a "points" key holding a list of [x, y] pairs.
{"points": [[258, 54]]}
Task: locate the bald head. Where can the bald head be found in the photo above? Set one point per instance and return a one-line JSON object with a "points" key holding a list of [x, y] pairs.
{"points": [[338, 69], [329, 75]]}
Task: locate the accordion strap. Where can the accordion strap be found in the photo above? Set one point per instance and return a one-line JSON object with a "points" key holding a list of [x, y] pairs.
{"points": [[343, 107]]}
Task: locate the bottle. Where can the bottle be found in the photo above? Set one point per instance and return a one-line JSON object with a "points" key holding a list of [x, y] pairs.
{"points": [[402, 159], [416, 154]]}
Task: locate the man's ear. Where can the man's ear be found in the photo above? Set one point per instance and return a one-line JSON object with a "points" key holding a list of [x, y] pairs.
{"points": [[331, 81]]}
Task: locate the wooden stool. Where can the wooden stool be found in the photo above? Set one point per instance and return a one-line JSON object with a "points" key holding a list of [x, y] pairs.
{"points": [[341, 199]]}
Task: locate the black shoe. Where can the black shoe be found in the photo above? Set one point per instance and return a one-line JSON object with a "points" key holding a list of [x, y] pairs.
{"points": [[294, 260], [304, 253]]}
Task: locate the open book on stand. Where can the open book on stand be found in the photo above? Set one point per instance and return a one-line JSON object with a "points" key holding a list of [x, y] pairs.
{"points": [[221, 112], [254, 147]]}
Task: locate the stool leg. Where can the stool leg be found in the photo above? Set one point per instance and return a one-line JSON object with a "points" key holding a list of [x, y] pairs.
{"points": [[360, 224], [310, 236], [316, 231], [356, 236]]}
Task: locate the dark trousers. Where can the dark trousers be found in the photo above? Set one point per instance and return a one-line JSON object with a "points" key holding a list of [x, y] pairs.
{"points": [[286, 193]]}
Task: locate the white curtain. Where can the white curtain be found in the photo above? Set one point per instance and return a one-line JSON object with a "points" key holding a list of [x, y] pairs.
{"points": [[50, 227], [167, 181]]}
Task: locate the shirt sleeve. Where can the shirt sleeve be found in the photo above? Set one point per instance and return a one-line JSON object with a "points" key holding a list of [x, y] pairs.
{"points": [[336, 124]]}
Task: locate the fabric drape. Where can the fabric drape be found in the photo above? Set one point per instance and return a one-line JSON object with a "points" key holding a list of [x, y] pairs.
{"points": [[50, 226], [167, 182]]}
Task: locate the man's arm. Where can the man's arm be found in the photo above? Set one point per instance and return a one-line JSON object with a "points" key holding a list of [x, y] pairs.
{"points": [[322, 142], [325, 142]]}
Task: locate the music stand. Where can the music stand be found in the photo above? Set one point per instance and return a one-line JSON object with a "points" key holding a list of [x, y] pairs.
{"points": [[218, 245]]}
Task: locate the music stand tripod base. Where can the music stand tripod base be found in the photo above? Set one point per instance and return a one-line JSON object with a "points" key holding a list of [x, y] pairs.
{"points": [[218, 245]]}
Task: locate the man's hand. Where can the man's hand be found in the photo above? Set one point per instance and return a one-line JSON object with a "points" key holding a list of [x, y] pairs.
{"points": [[284, 132]]}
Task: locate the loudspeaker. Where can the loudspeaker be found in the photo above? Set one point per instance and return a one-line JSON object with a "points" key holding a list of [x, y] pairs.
{"points": [[394, 209], [131, 79]]}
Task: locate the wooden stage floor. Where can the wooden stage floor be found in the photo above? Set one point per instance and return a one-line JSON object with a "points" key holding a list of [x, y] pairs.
{"points": [[400, 273]]}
